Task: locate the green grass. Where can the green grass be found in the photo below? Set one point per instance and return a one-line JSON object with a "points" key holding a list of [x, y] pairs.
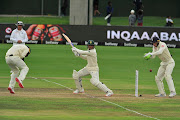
{"points": [[36, 20], [147, 21], [117, 21], [48, 101]]}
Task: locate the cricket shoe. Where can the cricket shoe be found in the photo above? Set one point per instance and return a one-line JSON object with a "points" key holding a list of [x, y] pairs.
{"points": [[108, 24], [172, 94], [160, 95], [11, 90], [78, 91], [20, 83], [109, 94]]}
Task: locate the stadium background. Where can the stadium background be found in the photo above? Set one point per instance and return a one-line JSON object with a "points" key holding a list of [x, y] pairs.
{"points": [[43, 97], [122, 7]]}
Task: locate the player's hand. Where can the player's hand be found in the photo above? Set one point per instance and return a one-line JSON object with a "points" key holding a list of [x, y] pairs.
{"points": [[147, 56], [74, 49], [19, 41], [76, 54]]}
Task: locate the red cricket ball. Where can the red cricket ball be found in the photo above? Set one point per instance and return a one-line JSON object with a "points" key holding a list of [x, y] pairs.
{"points": [[150, 70]]}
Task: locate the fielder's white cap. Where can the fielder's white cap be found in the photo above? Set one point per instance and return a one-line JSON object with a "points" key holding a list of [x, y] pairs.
{"points": [[20, 23], [132, 11]]}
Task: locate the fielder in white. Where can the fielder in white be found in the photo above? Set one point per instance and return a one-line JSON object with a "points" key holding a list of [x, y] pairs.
{"points": [[160, 49], [19, 35], [14, 58], [91, 69]]}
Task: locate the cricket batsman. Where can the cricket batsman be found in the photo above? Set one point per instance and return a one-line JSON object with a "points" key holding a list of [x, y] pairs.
{"points": [[160, 49], [91, 69], [14, 58]]}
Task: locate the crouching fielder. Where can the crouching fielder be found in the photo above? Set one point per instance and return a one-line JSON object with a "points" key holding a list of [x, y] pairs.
{"points": [[91, 69], [160, 49], [15, 60]]}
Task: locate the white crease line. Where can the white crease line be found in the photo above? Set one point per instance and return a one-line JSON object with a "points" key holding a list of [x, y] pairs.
{"points": [[101, 100], [58, 84]]}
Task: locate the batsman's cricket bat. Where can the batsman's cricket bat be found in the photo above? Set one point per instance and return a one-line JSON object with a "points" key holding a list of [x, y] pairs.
{"points": [[107, 16], [67, 38]]}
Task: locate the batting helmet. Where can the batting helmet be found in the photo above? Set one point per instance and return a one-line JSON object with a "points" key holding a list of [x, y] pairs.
{"points": [[155, 39], [91, 43]]}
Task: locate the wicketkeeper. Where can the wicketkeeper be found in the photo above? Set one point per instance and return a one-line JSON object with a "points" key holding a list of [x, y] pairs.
{"points": [[160, 49], [15, 60], [91, 69]]}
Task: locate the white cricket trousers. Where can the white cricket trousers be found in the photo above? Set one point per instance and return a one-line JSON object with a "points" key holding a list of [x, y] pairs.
{"points": [[94, 80], [16, 65], [165, 71]]}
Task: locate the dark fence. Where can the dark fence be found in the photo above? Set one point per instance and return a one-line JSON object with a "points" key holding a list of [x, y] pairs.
{"points": [[102, 35], [29, 7]]}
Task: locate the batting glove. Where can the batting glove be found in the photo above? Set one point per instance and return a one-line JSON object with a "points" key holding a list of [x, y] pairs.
{"points": [[147, 56], [74, 49], [76, 54]]}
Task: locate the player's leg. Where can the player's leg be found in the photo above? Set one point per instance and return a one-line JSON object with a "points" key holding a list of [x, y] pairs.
{"points": [[98, 12], [109, 21], [14, 74], [159, 81], [78, 81], [95, 81], [24, 70], [95, 12], [168, 77]]}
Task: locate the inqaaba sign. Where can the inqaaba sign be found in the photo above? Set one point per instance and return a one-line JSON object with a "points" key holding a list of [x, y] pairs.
{"points": [[127, 36], [142, 36]]}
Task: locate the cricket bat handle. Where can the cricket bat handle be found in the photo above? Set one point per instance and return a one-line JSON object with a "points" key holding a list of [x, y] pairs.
{"points": [[67, 38]]}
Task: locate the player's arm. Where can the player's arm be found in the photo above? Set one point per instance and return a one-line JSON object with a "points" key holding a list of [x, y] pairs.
{"points": [[170, 20], [153, 56], [83, 52], [24, 53], [160, 51], [83, 56], [13, 38], [80, 53], [112, 10], [149, 55]]}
